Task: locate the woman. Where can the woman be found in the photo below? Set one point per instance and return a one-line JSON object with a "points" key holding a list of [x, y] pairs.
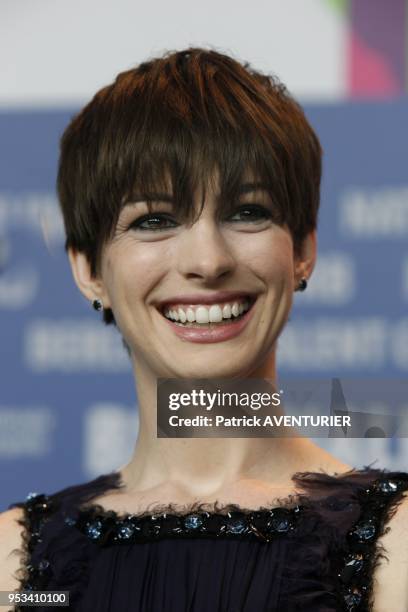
{"points": [[190, 187]]}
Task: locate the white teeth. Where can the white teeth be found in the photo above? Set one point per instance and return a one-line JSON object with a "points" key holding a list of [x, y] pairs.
{"points": [[190, 315], [182, 315], [226, 311], [215, 314], [204, 315], [235, 309]]}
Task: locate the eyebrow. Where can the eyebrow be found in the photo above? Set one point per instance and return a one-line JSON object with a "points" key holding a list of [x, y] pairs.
{"points": [[165, 197]]}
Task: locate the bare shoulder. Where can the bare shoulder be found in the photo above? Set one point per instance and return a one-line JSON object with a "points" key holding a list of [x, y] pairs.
{"points": [[390, 579], [10, 545], [316, 459]]}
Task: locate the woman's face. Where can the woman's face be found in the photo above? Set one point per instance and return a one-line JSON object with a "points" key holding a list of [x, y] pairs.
{"points": [[156, 259]]}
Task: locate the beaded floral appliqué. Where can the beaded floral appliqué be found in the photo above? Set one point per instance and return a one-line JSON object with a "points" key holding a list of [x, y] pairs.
{"points": [[106, 527]]}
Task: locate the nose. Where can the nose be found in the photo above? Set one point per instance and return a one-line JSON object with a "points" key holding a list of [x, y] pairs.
{"points": [[204, 252]]}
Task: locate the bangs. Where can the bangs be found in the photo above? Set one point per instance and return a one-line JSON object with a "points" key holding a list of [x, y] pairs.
{"points": [[180, 165], [188, 128]]}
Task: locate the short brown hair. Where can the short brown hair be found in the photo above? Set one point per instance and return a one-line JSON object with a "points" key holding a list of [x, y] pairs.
{"points": [[183, 115]]}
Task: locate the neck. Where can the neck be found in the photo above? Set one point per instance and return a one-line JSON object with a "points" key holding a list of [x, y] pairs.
{"points": [[204, 466]]}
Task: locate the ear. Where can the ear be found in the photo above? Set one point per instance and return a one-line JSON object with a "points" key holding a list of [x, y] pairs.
{"points": [[305, 261], [90, 287]]}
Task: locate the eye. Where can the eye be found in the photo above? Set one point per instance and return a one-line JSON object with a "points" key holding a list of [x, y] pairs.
{"points": [[252, 213], [153, 222]]}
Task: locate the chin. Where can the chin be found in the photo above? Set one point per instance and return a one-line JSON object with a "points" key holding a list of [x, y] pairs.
{"points": [[227, 370]]}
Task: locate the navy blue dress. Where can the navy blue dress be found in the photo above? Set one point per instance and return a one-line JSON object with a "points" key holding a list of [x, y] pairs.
{"points": [[314, 552]]}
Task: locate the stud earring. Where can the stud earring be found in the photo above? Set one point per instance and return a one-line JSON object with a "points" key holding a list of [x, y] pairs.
{"points": [[97, 304], [302, 285]]}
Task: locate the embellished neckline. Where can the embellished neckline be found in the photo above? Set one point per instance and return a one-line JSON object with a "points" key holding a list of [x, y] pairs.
{"points": [[107, 526], [204, 519], [208, 519]]}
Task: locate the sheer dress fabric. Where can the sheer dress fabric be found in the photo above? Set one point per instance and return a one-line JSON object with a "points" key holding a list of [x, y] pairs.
{"points": [[315, 551]]}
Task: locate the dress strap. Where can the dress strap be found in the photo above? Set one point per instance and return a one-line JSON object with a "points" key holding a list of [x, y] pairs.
{"points": [[379, 502], [44, 529], [38, 509]]}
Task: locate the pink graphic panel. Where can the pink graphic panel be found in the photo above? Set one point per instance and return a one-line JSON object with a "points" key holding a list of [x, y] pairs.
{"points": [[377, 48]]}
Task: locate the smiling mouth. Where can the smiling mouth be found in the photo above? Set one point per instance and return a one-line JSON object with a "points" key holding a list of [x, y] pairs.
{"points": [[230, 316]]}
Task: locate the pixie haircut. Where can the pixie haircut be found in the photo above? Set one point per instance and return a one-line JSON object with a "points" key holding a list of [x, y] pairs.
{"points": [[178, 118]]}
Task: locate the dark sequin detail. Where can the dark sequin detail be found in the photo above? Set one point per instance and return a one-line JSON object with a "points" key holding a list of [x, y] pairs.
{"points": [[107, 527], [43, 565], [193, 522], [354, 564], [236, 523], [37, 510], [125, 531], [356, 574], [280, 521], [37, 507], [364, 532], [353, 599], [94, 529]]}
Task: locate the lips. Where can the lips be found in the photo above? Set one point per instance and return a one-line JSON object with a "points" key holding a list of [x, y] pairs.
{"points": [[193, 301]]}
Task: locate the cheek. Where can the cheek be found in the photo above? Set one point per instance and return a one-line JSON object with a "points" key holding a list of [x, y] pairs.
{"points": [[132, 272], [270, 255]]}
